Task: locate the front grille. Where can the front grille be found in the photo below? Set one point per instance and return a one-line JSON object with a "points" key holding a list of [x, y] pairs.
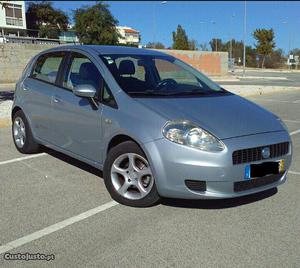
{"points": [[255, 154], [254, 183], [199, 186]]}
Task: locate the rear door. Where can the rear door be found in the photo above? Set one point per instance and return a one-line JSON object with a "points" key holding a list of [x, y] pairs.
{"points": [[38, 91], [77, 122]]}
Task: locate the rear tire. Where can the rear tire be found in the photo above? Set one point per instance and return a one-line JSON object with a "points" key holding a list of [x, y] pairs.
{"points": [[128, 176], [22, 135]]}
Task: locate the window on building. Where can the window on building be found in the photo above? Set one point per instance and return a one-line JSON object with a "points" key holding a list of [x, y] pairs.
{"points": [[13, 15]]}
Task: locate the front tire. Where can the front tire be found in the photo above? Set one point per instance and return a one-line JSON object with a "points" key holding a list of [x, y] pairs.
{"points": [[128, 176], [22, 135]]}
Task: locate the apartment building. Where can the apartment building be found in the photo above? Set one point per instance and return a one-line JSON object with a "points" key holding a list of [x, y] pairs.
{"points": [[12, 17], [129, 35]]}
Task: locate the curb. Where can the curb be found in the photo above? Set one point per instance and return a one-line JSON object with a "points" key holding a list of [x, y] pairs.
{"points": [[7, 85], [5, 122], [263, 77], [238, 69], [258, 90], [220, 80]]}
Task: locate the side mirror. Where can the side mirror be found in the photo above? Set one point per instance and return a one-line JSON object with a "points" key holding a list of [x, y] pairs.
{"points": [[86, 90]]}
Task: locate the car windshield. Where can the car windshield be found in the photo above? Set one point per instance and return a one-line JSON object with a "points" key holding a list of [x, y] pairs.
{"points": [[142, 75]]}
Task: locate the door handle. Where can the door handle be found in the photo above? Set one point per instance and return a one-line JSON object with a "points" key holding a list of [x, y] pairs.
{"points": [[24, 87], [107, 121], [56, 99]]}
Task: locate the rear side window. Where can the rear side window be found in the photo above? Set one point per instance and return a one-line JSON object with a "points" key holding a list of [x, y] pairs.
{"points": [[47, 66]]}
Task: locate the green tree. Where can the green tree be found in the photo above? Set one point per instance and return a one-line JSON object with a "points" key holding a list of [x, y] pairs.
{"points": [[251, 57], [203, 46], [265, 43], [96, 25], [276, 59], [216, 44], [180, 39], [46, 20], [237, 50], [157, 45], [192, 44]]}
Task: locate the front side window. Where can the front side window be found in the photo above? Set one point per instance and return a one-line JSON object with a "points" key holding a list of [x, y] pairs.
{"points": [[107, 97], [158, 75], [47, 66], [82, 72]]}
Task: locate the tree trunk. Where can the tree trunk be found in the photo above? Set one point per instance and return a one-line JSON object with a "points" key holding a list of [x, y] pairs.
{"points": [[263, 62]]}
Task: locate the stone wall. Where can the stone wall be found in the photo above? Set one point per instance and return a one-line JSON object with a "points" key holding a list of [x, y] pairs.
{"points": [[14, 57]]}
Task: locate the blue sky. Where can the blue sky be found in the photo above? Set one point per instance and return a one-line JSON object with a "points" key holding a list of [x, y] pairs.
{"points": [[197, 17]]}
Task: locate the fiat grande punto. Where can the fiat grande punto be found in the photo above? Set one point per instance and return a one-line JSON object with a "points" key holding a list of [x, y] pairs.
{"points": [[153, 124]]}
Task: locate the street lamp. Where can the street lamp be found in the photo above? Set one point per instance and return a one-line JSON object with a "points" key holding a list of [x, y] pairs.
{"points": [[230, 51], [245, 32], [289, 34], [154, 18]]}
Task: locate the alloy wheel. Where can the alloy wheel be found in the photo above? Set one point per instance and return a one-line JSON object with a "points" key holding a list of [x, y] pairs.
{"points": [[19, 132], [131, 176]]}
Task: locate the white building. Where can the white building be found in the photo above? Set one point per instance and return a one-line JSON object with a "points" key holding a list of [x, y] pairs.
{"points": [[128, 35], [12, 17]]}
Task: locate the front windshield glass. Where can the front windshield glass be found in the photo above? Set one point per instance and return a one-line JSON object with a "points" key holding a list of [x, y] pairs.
{"points": [[158, 75]]}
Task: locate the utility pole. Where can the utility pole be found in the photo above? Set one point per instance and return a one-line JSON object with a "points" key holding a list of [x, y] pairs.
{"points": [[230, 48], [202, 28], [245, 32], [216, 39]]}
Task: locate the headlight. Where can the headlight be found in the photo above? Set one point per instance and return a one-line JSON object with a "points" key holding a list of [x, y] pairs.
{"points": [[186, 133]]}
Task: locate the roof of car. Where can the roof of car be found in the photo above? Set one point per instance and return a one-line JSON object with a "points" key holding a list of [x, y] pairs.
{"points": [[111, 49]]}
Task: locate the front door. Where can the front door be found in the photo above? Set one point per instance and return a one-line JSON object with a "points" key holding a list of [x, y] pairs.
{"points": [[77, 122]]}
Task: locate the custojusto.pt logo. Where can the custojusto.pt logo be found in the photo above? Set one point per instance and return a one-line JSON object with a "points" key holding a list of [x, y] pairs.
{"points": [[28, 257]]}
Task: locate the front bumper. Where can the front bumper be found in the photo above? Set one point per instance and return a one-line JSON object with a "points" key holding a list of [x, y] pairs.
{"points": [[173, 164]]}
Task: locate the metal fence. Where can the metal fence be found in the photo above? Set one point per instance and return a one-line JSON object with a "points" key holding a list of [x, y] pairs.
{"points": [[30, 36]]}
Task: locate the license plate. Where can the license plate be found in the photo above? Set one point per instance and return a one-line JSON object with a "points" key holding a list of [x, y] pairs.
{"points": [[263, 169]]}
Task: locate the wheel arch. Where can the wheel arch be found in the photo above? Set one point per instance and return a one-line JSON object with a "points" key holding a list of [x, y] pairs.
{"points": [[14, 110], [118, 139]]}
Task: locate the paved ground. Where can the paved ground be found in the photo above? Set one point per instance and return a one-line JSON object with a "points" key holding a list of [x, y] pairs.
{"points": [[257, 231], [264, 77]]}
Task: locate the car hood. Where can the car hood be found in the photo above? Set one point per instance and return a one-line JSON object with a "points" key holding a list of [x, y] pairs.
{"points": [[224, 116]]}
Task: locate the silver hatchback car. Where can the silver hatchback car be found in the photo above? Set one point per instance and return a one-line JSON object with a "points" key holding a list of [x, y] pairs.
{"points": [[155, 126]]}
